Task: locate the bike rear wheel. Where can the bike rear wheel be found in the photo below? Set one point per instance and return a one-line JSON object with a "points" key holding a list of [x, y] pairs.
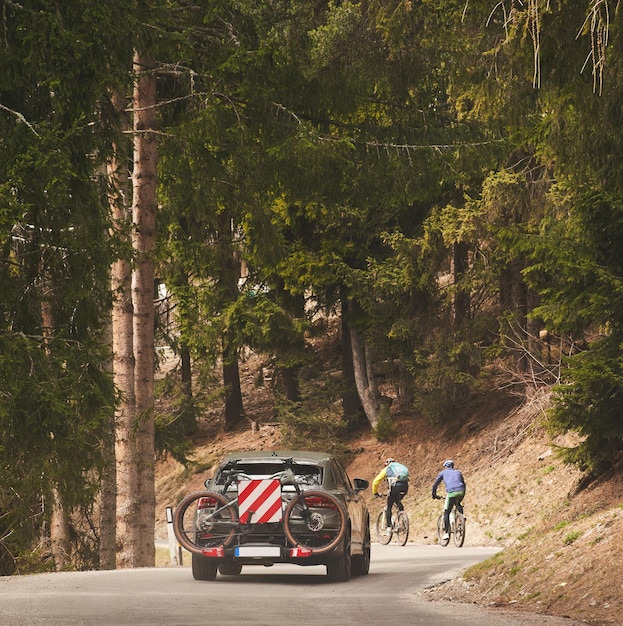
{"points": [[383, 533], [205, 520], [402, 527], [459, 529], [315, 520], [441, 531]]}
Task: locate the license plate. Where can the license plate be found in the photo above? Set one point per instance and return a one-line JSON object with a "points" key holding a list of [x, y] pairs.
{"points": [[257, 551]]}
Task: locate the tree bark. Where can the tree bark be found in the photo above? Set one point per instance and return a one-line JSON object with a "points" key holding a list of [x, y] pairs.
{"points": [[461, 295], [234, 409], [228, 279], [126, 459], [59, 533], [59, 521], [144, 181], [365, 380], [107, 506], [352, 410]]}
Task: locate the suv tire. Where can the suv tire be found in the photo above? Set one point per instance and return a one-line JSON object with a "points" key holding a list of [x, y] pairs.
{"points": [[203, 569]]}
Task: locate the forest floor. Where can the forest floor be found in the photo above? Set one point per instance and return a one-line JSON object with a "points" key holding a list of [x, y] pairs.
{"points": [[561, 544]]}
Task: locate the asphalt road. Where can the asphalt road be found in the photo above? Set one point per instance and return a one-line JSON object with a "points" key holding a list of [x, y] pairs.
{"points": [[282, 595]]}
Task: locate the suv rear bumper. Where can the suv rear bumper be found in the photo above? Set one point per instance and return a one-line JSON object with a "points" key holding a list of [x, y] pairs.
{"points": [[267, 554]]}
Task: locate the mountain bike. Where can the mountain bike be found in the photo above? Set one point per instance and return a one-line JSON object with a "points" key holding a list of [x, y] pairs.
{"points": [[399, 527], [457, 528], [207, 522]]}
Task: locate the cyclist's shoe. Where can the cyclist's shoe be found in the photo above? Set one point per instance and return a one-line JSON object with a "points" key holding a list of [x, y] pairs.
{"points": [[385, 531], [446, 536]]}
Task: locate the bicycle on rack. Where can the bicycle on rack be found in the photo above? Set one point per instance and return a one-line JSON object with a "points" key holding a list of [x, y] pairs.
{"points": [[399, 527], [457, 528], [209, 520]]}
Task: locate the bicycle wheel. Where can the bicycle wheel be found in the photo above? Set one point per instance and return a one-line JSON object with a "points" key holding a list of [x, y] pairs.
{"points": [[459, 529], [402, 527], [315, 520], [441, 531], [204, 520], [383, 533]]}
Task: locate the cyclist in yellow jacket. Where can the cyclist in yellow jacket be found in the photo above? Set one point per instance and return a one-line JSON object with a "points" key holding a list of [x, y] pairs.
{"points": [[397, 476]]}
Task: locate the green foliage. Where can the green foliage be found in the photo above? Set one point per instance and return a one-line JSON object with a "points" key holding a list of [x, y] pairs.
{"points": [[445, 378], [588, 403], [311, 430], [54, 411], [175, 426], [267, 328], [571, 537], [384, 430]]}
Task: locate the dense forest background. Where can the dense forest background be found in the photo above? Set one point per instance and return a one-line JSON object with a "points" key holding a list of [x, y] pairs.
{"points": [[216, 177]]}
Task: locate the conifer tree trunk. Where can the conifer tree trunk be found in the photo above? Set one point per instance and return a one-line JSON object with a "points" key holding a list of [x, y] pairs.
{"points": [[144, 180], [126, 480], [59, 533], [108, 489], [229, 274], [352, 410], [460, 262], [60, 543], [365, 380]]}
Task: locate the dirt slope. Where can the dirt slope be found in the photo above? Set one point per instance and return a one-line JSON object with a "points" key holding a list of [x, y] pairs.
{"points": [[562, 547]]}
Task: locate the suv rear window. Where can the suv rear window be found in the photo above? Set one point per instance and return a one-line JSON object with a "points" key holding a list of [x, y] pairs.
{"points": [[304, 473]]}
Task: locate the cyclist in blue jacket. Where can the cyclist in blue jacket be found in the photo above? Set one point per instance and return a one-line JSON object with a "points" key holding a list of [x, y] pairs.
{"points": [[397, 476], [455, 491]]}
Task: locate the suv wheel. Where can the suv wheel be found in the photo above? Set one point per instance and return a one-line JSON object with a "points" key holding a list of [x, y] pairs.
{"points": [[361, 562], [203, 569], [339, 569]]}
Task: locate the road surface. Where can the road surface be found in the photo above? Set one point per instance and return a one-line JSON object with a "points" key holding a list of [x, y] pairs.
{"points": [[282, 595]]}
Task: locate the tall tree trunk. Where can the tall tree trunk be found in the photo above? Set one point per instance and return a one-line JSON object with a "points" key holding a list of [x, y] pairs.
{"points": [[234, 410], [59, 522], [59, 533], [144, 181], [352, 410], [461, 295], [287, 377], [365, 380], [514, 298], [108, 489], [126, 456], [188, 413], [228, 279]]}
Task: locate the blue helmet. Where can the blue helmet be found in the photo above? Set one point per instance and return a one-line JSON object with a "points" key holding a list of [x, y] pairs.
{"points": [[448, 463]]}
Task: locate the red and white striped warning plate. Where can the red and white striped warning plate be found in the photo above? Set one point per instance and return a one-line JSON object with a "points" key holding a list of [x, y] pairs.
{"points": [[259, 501]]}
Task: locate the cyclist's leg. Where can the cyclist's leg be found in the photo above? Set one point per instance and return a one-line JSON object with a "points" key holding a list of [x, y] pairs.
{"points": [[459, 503], [391, 500], [446, 513], [454, 499], [401, 491]]}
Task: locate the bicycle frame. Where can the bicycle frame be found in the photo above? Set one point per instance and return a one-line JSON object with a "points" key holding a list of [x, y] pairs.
{"points": [[399, 525], [457, 530]]}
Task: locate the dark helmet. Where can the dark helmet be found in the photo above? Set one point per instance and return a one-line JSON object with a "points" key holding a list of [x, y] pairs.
{"points": [[390, 460], [448, 463]]}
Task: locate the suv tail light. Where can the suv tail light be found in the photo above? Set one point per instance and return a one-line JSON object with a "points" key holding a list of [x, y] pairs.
{"points": [[300, 552], [206, 503], [318, 502], [215, 552]]}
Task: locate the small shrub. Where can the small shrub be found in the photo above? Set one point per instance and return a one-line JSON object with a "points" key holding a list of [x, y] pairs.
{"points": [[571, 537], [385, 428]]}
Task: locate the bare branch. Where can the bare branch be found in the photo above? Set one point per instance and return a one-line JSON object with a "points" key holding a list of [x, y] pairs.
{"points": [[20, 118]]}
